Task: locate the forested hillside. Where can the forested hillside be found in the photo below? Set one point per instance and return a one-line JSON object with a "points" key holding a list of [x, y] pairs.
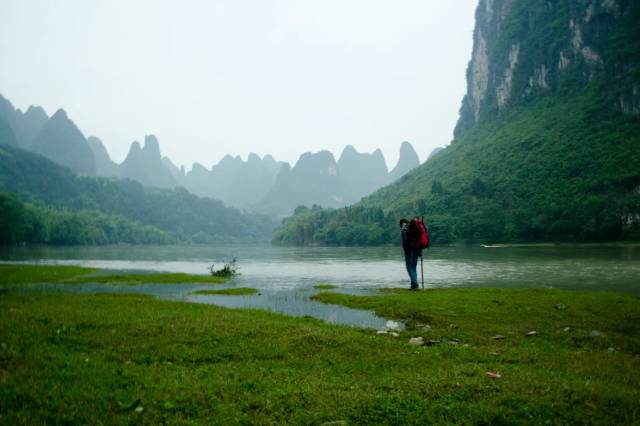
{"points": [[54, 205], [547, 147]]}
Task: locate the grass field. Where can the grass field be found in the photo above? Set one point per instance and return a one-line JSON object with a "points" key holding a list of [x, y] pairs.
{"points": [[25, 274], [122, 359], [321, 286]]}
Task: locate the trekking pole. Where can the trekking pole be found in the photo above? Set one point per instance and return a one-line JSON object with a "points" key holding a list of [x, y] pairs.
{"points": [[422, 270]]}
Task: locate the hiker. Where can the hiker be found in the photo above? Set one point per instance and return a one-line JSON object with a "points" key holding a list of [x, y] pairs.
{"points": [[414, 239], [410, 254]]}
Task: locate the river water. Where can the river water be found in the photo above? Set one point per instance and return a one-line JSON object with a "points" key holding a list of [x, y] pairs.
{"points": [[285, 276]]}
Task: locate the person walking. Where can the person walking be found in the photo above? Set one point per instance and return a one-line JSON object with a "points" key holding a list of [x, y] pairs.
{"points": [[411, 254]]}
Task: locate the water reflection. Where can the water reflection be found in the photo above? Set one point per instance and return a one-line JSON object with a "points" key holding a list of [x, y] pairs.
{"points": [[290, 302]]}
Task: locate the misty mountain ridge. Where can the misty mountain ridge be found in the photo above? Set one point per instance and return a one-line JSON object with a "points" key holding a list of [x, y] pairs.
{"points": [[313, 180], [60, 140], [256, 184], [64, 207], [362, 173], [7, 135], [318, 179], [104, 165], [24, 126], [408, 160], [144, 164]]}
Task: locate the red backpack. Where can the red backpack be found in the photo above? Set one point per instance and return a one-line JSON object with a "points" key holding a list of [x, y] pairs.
{"points": [[418, 235]]}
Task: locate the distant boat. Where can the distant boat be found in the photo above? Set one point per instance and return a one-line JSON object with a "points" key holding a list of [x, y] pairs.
{"points": [[492, 246]]}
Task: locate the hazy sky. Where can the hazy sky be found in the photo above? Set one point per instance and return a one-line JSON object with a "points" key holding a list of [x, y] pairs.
{"points": [[267, 76]]}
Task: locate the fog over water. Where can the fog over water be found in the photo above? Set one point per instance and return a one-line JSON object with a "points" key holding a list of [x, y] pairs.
{"points": [[211, 78]]}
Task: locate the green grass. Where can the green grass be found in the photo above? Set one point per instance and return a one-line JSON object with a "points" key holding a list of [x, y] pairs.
{"points": [[161, 278], [25, 274], [238, 291], [476, 315], [82, 359], [14, 274], [320, 286]]}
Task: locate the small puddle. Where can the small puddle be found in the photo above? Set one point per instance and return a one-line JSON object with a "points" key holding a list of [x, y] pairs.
{"points": [[296, 303]]}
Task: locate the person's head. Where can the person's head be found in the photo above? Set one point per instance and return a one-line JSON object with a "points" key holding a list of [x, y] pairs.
{"points": [[403, 221]]}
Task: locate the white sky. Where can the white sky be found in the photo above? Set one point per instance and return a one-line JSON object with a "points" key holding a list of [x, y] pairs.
{"points": [[210, 78]]}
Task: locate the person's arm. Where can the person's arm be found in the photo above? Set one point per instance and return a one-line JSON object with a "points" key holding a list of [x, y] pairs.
{"points": [[405, 236]]}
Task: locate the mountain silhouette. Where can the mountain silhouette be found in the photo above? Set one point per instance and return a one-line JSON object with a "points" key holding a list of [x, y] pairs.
{"points": [[145, 165], [407, 161], [361, 173], [60, 140]]}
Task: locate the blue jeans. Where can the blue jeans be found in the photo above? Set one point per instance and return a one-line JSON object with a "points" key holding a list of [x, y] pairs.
{"points": [[411, 260]]}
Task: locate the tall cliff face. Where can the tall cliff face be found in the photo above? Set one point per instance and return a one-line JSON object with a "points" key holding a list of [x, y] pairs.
{"points": [[547, 144], [530, 48]]}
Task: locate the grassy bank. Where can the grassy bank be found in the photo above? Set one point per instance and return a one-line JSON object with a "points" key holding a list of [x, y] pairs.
{"points": [[121, 359], [321, 286], [12, 274], [28, 274]]}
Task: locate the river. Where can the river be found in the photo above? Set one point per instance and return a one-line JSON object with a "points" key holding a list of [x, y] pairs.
{"points": [[285, 276]]}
